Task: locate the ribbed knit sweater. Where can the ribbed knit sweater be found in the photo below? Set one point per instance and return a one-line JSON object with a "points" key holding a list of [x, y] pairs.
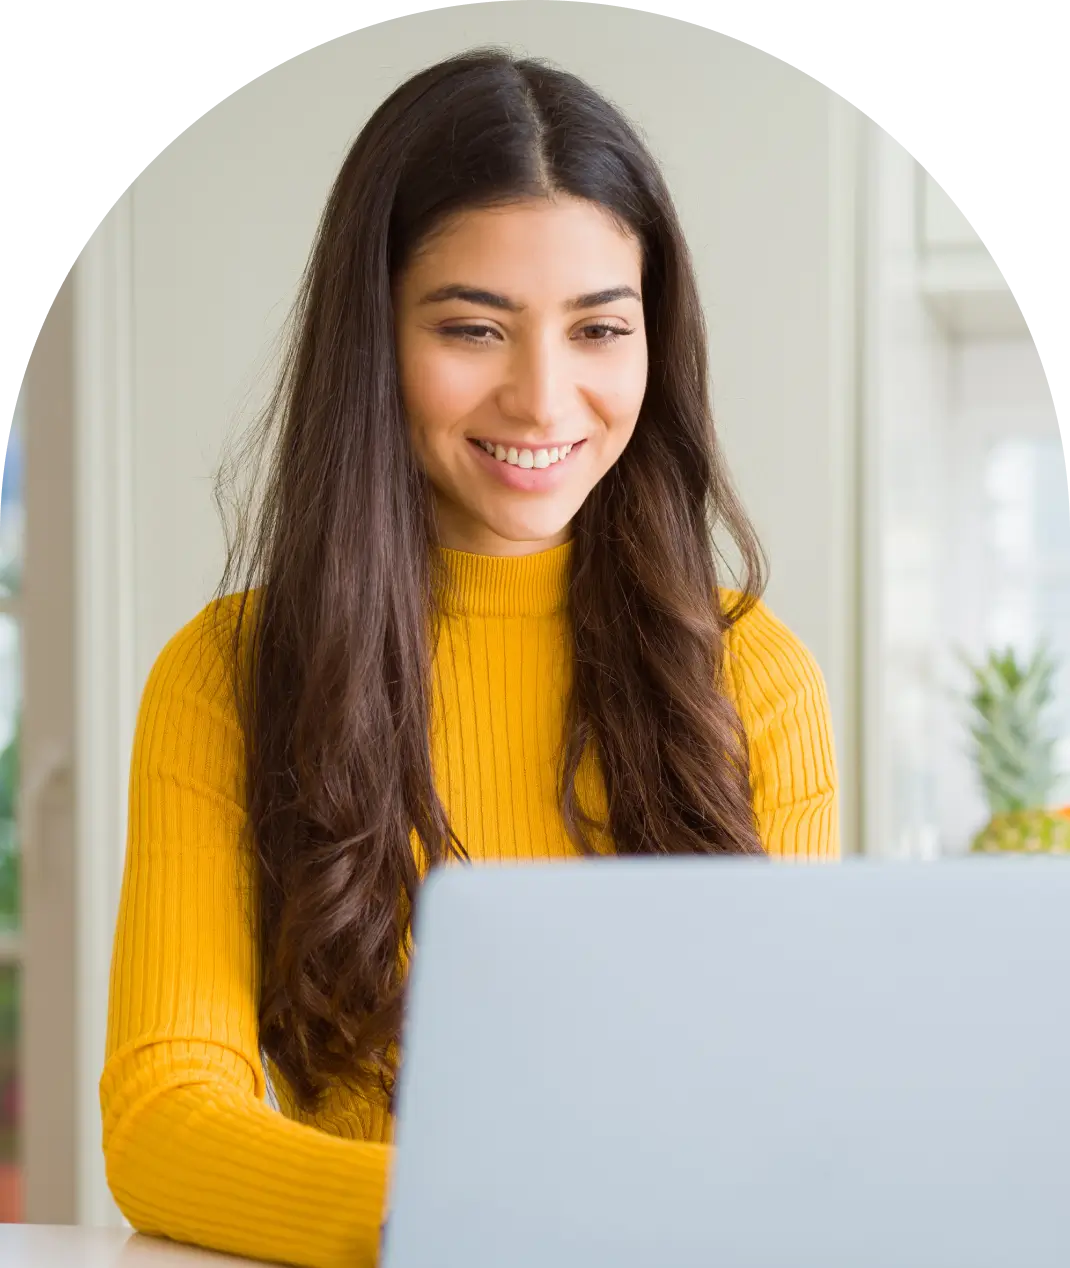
{"points": [[194, 1150]]}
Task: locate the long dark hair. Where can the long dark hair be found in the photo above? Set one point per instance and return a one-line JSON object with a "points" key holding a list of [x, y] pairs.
{"points": [[333, 578]]}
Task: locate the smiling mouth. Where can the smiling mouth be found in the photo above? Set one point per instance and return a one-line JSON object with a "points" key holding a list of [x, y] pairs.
{"points": [[528, 458]]}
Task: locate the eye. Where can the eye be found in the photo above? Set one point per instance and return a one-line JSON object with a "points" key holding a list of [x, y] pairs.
{"points": [[603, 333], [595, 332], [469, 334]]}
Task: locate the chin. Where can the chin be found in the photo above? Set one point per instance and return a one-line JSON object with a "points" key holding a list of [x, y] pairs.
{"points": [[530, 532]]}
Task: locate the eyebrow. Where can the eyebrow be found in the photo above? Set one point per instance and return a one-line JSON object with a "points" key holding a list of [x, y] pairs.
{"points": [[489, 299]]}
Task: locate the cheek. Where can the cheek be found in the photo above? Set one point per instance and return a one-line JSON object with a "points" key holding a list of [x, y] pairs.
{"points": [[619, 391], [439, 390]]}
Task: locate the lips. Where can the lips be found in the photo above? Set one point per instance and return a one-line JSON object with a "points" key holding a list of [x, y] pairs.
{"points": [[537, 457], [528, 477]]}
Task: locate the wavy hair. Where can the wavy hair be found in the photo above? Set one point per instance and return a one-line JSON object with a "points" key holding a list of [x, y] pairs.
{"points": [[333, 565]]}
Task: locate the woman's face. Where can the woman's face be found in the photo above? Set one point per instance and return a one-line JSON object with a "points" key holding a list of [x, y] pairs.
{"points": [[520, 331]]}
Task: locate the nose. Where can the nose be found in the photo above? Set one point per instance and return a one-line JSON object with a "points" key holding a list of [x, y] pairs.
{"points": [[538, 387]]}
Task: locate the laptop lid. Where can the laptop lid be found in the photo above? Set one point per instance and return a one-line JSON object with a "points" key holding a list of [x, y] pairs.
{"points": [[739, 1063]]}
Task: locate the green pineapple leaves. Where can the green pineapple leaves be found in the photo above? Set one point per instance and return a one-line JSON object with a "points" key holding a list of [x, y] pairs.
{"points": [[1015, 755]]}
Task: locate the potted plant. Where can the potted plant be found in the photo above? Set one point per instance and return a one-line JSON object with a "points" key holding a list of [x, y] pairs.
{"points": [[1014, 752]]}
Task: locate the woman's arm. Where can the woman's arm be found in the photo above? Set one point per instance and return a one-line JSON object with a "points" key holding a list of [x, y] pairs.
{"points": [[781, 696], [193, 1152]]}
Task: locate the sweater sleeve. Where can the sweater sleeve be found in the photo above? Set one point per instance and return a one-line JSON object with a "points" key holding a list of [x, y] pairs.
{"points": [[783, 703], [193, 1152]]}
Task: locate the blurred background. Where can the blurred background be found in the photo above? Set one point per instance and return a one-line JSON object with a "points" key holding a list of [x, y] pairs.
{"points": [[881, 401]]}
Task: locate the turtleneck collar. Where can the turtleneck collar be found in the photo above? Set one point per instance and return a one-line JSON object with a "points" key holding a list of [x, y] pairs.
{"points": [[513, 585]]}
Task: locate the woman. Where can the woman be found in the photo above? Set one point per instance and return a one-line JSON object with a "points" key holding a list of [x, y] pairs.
{"points": [[477, 616]]}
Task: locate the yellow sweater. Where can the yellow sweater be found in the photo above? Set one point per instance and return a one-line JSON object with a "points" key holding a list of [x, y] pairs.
{"points": [[193, 1150]]}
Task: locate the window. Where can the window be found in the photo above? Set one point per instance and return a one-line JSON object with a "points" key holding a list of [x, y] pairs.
{"points": [[1027, 557], [11, 538], [964, 501], [1003, 561]]}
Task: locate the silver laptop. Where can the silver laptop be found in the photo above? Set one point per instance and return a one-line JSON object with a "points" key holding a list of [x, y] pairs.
{"points": [[623, 1064]]}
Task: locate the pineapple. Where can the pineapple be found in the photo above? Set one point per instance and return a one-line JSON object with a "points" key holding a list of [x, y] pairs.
{"points": [[1015, 755]]}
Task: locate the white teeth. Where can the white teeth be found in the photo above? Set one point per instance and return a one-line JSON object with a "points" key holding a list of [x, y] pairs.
{"points": [[526, 458]]}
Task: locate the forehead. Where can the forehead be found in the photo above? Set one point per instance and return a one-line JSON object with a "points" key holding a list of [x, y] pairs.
{"points": [[536, 248]]}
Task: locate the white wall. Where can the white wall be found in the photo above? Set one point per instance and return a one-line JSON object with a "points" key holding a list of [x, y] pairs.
{"points": [[760, 160]]}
